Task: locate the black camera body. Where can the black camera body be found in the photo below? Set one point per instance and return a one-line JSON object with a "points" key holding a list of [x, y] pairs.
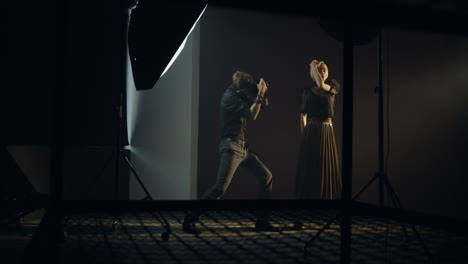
{"points": [[252, 92]]}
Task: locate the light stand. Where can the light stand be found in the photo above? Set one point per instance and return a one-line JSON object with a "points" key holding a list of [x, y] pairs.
{"points": [[119, 148], [384, 184]]}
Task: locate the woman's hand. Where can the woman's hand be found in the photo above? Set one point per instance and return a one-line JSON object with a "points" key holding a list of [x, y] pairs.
{"points": [[314, 74], [314, 63]]}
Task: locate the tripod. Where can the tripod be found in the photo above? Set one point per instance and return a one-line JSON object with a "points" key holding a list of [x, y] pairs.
{"points": [[119, 153], [119, 150], [384, 184], [396, 203]]}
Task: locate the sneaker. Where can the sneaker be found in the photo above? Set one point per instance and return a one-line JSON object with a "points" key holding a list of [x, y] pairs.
{"points": [[263, 225], [189, 227]]}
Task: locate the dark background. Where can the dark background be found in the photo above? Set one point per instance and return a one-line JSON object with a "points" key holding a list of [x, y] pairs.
{"points": [[90, 57], [424, 76], [74, 47], [278, 48], [428, 90]]}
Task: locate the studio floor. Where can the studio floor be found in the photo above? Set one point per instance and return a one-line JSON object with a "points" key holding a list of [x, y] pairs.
{"points": [[229, 237]]}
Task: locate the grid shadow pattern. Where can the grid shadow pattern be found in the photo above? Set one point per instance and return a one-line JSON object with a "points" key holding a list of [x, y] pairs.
{"points": [[229, 237]]}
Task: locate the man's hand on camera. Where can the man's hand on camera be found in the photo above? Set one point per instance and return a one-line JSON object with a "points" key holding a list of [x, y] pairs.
{"points": [[262, 87]]}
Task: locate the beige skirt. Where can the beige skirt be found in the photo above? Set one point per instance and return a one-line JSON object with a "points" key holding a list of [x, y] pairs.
{"points": [[318, 174]]}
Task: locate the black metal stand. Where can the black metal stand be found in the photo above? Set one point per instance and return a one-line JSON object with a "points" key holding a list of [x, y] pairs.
{"points": [[345, 227], [396, 203], [167, 227], [167, 232], [118, 146], [384, 184]]}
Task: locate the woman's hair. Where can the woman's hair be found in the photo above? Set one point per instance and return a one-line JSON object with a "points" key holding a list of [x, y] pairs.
{"points": [[321, 64], [242, 81]]}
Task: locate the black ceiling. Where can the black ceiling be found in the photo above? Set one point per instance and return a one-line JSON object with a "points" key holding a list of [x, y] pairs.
{"points": [[444, 16]]}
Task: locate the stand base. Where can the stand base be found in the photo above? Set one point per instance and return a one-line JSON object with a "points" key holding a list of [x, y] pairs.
{"points": [[396, 203]]}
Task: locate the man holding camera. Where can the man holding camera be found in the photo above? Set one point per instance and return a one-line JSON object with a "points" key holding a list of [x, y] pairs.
{"points": [[237, 106]]}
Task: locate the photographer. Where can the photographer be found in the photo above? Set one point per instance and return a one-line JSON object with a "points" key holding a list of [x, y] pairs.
{"points": [[236, 107]]}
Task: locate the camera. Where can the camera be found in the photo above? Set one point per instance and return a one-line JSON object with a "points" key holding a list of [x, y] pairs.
{"points": [[249, 92], [254, 91]]}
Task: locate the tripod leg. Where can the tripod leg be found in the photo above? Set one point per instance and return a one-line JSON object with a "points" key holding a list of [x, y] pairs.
{"points": [[418, 236], [397, 204], [428, 253], [101, 171], [148, 195], [165, 234], [167, 227], [309, 243], [365, 186]]}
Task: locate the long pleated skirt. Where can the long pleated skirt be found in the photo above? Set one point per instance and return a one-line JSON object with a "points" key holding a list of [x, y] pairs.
{"points": [[318, 174]]}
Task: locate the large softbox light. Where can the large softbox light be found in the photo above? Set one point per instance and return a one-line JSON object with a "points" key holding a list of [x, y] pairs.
{"points": [[156, 31]]}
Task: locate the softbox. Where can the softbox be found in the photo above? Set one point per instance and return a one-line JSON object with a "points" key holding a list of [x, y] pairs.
{"points": [[156, 31]]}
